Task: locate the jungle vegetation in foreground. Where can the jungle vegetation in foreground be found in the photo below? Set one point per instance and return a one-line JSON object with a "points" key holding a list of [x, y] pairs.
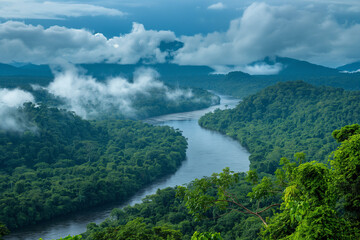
{"points": [[303, 200], [317, 202]]}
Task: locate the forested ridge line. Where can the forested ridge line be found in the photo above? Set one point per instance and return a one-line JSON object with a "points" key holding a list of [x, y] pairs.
{"points": [[287, 118], [62, 163]]}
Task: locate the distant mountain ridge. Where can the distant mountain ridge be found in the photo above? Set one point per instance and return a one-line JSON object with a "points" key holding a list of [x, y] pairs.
{"points": [[351, 67], [294, 67], [105, 70], [290, 67], [238, 84], [25, 70]]}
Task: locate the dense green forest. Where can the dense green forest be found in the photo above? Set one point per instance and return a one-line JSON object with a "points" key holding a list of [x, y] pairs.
{"points": [[317, 202], [287, 118], [164, 209], [63, 163], [309, 199]]}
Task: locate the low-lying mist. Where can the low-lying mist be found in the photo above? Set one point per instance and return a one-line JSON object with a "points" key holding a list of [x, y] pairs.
{"points": [[114, 98], [10, 118]]}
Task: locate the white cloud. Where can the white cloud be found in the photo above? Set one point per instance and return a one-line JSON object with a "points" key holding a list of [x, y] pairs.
{"points": [[253, 69], [264, 30], [32, 9], [350, 72], [140, 43], [263, 69], [10, 100], [14, 98], [21, 42], [217, 6]]}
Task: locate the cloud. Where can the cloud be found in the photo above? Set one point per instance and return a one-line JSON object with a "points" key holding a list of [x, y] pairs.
{"points": [[32, 9], [217, 6], [350, 72], [14, 98], [253, 69], [305, 33], [10, 100], [20, 42], [92, 99], [263, 69]]}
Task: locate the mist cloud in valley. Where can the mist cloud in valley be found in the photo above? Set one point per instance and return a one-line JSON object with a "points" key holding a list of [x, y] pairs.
{"points": [[116, 97], [252, 69], [11, 119]]}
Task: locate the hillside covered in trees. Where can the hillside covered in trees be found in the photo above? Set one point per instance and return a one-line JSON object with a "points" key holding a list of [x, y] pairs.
{"points": [[287, 118], [64, 163]]}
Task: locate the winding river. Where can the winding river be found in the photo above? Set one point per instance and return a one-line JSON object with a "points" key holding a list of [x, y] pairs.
{"points": [[207, 152]]}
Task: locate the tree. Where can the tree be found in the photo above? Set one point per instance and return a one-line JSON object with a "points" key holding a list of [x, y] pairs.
{"points": [[214, 192], [206, 236], [346, 167], [3, 230], [314, 192], [137, 229], [308, 207]]}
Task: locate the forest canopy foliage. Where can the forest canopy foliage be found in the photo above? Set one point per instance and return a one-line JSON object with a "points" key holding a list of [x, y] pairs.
{"points": [[65, 163]]}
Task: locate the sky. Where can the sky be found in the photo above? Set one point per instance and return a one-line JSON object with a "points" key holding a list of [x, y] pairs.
{"points": [[215, 33]]}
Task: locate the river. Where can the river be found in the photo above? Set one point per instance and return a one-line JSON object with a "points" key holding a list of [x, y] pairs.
{"points": [[207, 152]]}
